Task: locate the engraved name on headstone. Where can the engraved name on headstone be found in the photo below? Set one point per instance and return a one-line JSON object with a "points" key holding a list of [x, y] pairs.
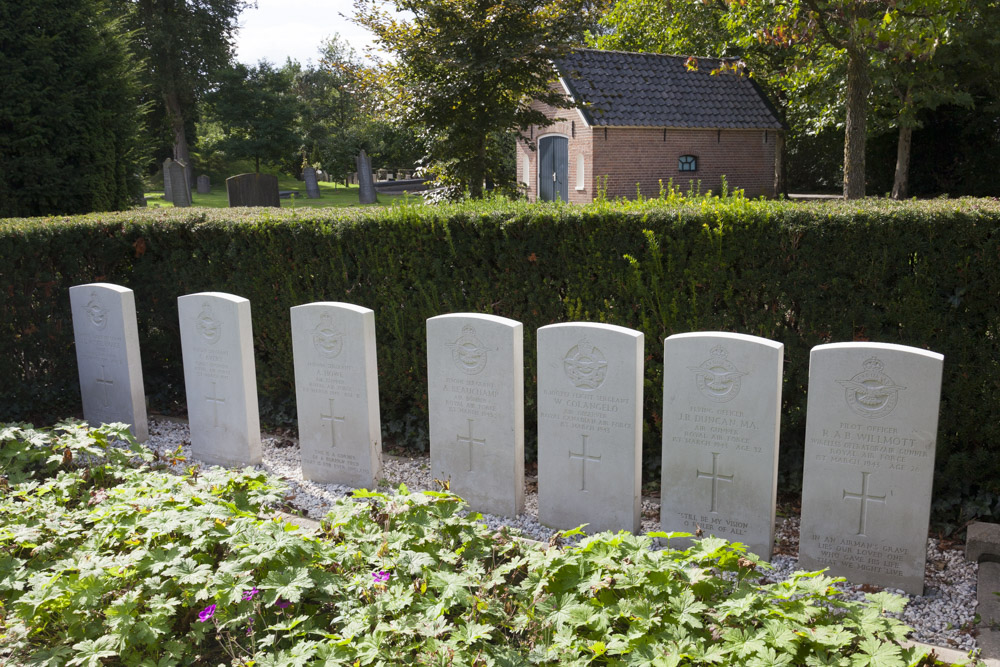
{"points": [[107, 356], [871, 434], [336, 393], [220, 378], [475, 381], [589, 426], [721, 412]]}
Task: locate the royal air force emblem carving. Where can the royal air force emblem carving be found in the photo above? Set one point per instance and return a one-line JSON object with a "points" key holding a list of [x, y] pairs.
{"points": [[327, 339], [206, 324], [717, 378], [871, 393], [468, 352], [585, 366]]}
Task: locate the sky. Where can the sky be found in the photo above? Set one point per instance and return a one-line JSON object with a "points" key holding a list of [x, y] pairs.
{"points": [[278, 29]]}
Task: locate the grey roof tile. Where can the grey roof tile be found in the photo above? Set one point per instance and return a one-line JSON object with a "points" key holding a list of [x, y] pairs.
{"points": [[648, 89]]}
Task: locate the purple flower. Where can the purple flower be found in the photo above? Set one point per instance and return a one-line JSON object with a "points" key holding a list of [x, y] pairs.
{"points": [[282, 604], [249, 595], [250, 628], [206, 613], [381, 576]]}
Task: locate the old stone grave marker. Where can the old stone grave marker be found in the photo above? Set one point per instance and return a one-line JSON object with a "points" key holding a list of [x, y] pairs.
{"points": [[475, 388], [336, 393], [107, 356], [312, 183], [871, 432], [219, 378], [204, 184], [180, 193], [253, 190], [721, 415], [168, 191], [589, 426], [366, 186]]}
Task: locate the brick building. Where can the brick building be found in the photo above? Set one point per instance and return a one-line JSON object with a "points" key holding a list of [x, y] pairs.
{"points": [[641, 118]]}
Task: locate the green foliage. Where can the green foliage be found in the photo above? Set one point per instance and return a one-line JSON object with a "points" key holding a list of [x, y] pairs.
{"points": [[469, 69], [107, 561], [258, 112], [913, 273], [69, 114]]}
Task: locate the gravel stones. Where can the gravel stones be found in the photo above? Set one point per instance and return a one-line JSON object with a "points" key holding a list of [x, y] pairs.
{"points": [[941, 616]]}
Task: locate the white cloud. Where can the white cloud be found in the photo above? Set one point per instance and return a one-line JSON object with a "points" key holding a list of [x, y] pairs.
{"points": [[279, 29]]}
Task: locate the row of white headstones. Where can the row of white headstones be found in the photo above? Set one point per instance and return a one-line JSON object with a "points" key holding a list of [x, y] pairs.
{"points": [[870, 430]]}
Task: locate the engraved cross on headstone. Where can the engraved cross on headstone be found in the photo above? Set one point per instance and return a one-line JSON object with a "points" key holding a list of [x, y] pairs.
{"points": [[584, 458], [107, 385], [865, 499], [716, 478], [333, 423], [215, 400], [470, 440]]}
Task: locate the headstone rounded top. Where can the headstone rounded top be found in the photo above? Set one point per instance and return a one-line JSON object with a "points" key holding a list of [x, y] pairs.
{"points": [[225, 296], [495, 319], [334, 304], [728, 335], [107, 286], [597, 326], [868, 347]]}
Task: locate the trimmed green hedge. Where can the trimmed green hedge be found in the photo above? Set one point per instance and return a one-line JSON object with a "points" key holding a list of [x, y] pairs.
{"points": [[915, 273]]}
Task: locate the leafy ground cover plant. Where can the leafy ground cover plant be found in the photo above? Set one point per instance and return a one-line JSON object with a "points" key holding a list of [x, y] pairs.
{"points": [[107, 558]]}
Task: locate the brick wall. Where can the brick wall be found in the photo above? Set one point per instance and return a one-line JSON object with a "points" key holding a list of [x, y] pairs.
{"points": [[628, 156], [646, 155], [568, 124]]}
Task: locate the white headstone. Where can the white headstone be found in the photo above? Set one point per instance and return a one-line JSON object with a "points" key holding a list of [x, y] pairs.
{"points": [[871, 432], [590, 426], [219, 378], [475, 392], [336, 392], [721, 415], [107, 356]]}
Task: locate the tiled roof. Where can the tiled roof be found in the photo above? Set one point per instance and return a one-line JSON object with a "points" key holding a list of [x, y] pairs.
{"points": [[654, 90]]}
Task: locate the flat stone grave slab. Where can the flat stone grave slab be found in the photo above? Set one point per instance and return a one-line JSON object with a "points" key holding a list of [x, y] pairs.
{"points": [[721, 416], [589, 426], [336, 393], [220, 378], [871, 433], [475, 392], [107, 356]]}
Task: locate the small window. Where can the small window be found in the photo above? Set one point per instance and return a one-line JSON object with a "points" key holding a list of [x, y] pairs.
{"points": [[580, 180], [687, 163], [526, 170]]}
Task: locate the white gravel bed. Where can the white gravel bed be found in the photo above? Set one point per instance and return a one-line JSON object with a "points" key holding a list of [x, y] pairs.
{"points": [[942, 616]]}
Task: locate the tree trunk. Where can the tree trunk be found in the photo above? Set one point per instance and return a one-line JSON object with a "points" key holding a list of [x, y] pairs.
{"points": [[176, 116], [901, 181], [858, 88], [780, 174], [478, 171]]}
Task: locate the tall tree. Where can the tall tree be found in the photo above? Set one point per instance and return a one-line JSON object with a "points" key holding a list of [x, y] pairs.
{"points": [[258, 113], [814, 56], [184, 43], [69, 114], [470, 69]]}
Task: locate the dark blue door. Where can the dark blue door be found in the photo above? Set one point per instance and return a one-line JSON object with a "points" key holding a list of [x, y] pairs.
{"points": [[553, 168]]}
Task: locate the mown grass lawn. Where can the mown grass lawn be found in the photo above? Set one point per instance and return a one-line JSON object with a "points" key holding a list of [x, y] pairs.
{"points": [[331, 194]]}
